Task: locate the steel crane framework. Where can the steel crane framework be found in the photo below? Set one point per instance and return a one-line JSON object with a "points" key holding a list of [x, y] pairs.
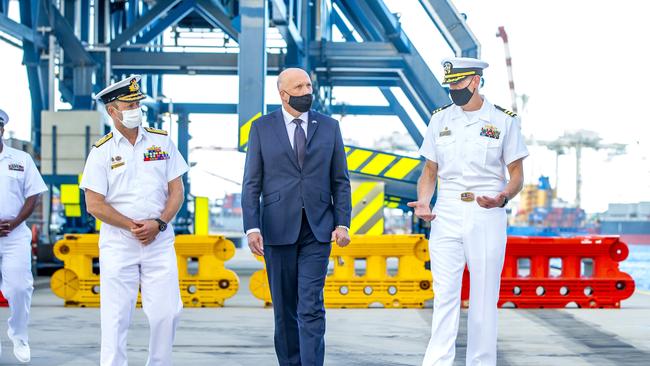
{"points": [[86, 44]]}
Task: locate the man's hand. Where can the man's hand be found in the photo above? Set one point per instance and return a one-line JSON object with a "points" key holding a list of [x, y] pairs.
{"points": [[256, 243], [341, 236], [422, 210], [145, 230], [6, 227], [489, 202]]}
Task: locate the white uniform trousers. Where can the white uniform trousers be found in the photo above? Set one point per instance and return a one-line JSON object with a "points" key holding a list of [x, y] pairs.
{"points": [[17, 280], [126, 266], [464, 232]]}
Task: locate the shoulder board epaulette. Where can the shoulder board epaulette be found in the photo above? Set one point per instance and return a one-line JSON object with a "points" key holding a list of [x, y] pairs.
{"points": [[441, 108], [103, 140], [510, 113], [156, 131]]}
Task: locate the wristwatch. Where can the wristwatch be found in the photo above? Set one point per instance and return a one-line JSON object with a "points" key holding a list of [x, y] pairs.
{"points": [[162, 226], [505, 202]]}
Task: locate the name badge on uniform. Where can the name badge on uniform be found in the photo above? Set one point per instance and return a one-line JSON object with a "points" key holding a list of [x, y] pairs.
{"points": [[445, 132], [490, 131], [16, 167], [116, 162], [155, 153]]}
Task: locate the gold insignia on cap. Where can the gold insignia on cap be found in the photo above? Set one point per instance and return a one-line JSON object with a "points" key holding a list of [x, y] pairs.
{"points": [[447, 67], [134, 86]]}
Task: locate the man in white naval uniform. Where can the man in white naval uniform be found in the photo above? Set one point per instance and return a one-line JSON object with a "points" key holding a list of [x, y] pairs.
{"points": [[132, 182], [20, 186], [468, 146]]}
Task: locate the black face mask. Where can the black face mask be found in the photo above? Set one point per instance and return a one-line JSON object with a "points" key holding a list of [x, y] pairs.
{"points": [[301, 103], [460, 97]]}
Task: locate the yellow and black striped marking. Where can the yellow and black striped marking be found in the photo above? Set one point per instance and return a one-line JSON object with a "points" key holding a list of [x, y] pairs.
{"points": [[367, 208], [384, 165], [245, 130]]}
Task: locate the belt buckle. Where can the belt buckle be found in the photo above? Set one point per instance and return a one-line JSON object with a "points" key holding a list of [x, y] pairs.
{"points": [[467, 197]]}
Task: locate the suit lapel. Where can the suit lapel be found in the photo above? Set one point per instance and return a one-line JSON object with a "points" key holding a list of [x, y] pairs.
{"points": [[312, 126], [280, 129]]}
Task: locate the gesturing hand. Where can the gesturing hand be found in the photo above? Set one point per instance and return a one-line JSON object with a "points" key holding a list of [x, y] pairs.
{"points": [[422, 210], [489, 202], [256, 243]]}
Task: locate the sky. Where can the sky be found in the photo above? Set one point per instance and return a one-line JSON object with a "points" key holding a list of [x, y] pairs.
{"points": [[575, 60]]}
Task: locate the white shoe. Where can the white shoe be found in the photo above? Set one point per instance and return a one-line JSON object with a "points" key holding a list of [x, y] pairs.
{"points": [[21, 351]]}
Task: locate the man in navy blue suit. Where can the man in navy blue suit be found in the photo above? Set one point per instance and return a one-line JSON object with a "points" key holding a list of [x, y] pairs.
{"points": [[296, 164]]}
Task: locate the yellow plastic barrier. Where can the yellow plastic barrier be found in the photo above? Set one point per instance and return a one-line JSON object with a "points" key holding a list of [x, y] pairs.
{"points": [[213, 283], [76, 283], [409, 287], [210, 286]]}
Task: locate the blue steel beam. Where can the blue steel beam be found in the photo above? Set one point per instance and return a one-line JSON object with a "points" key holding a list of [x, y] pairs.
{"points": [[388, 94], [183, 147], [453, 28], [73, 48], [156, 12], [347, 33], [392, 29], [19, 31], [171, 19], [282, 20], [374, 22], [252, 64], [218, 16], [408, 123], [33, 16], [84, 21], [231, 108], [184, 62]]}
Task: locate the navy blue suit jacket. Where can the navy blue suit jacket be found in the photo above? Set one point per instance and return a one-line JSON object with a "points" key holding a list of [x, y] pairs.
{"points": [[272, 172]]}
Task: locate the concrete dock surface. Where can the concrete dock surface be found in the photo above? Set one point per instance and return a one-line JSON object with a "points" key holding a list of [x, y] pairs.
{"points": [[241, 334]]}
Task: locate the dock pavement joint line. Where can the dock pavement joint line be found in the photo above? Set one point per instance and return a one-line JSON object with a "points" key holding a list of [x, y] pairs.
{"points": [[602, 344]]}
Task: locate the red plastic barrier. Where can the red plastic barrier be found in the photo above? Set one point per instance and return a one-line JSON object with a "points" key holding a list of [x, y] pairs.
{"points": [[3, 301], [588, 274]]}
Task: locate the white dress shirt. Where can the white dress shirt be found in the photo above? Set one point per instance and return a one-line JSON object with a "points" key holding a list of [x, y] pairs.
{"points": [[19, 179], [134, 178], [473, 151], [291, 129]]}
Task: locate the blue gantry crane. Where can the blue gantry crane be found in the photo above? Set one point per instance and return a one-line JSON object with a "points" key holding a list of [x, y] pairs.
{"points": [[80, 46]]}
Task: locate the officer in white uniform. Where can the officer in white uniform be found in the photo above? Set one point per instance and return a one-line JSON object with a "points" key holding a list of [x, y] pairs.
{"points": [[20, 186], [468, 147], [132, 182]]}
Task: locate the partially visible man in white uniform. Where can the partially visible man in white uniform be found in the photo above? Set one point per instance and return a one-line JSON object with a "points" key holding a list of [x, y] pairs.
{"points": [[468, 146], [20, 186], [132, 182]]}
